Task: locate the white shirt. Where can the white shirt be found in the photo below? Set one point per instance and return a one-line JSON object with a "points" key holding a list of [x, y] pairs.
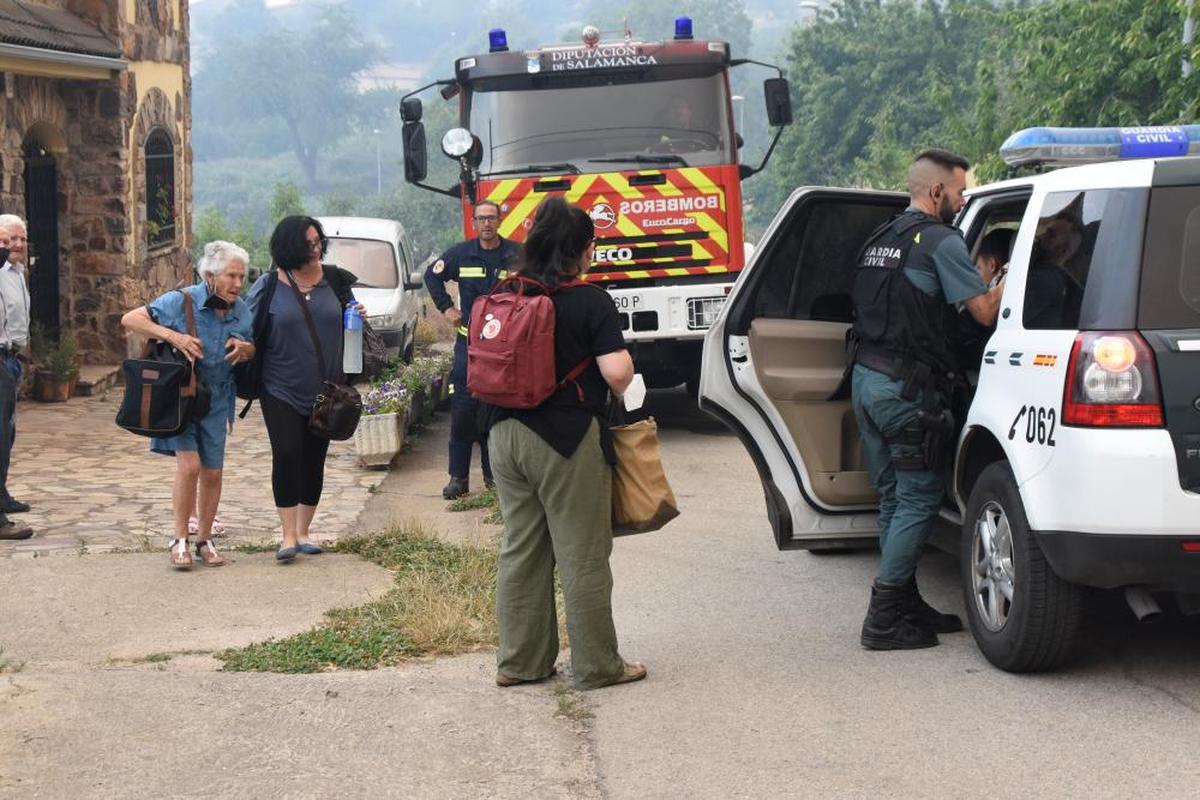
{"points": [[15, 296]]}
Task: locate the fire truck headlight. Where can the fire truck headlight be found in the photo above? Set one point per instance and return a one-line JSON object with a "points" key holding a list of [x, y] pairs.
{"points": [[457, 142]]}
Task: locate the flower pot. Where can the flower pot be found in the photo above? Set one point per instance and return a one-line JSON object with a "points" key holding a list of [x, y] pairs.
{"points": [[48, 389], [416, 411], [378, 438]]}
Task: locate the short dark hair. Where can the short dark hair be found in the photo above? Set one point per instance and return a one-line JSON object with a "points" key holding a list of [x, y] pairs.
{"points": [[943, 158], [556, 243], [491, 203], [997, 244], [289, 241]]}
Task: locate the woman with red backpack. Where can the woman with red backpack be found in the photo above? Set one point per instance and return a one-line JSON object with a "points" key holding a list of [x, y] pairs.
{"points": [[553, 470]]}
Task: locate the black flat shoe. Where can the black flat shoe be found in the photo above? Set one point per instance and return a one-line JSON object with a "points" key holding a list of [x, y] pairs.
{"points": [[14, 506], [285, 554]]}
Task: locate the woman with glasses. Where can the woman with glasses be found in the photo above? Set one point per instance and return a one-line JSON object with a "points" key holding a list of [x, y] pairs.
{"points": [[291, 375]]}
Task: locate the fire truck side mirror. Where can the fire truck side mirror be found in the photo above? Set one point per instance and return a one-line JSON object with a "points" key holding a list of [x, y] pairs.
{"points": [[416, 158], [410, 109], [779, 101]]}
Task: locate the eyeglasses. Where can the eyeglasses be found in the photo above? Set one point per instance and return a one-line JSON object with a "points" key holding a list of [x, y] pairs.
{"points": [[488, 220], [315, 244]]}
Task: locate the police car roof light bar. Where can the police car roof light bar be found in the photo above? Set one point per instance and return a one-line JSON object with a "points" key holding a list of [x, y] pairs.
{"points": [[683, 28], [497, 41], [1066, 146]]}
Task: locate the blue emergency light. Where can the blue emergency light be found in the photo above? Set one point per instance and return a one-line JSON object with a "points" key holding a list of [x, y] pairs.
{"points": [[1063, 146], [683, 27], [497, 41]]}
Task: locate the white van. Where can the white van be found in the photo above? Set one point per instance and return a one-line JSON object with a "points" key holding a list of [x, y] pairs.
{"points": [[378, 252]]}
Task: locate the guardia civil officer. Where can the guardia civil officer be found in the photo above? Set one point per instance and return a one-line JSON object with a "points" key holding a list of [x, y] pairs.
{"points": [[911, 275], [476, 264]]}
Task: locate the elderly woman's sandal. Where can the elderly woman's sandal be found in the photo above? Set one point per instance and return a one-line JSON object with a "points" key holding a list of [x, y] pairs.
{"points": [[504, 681], [208, 555]]}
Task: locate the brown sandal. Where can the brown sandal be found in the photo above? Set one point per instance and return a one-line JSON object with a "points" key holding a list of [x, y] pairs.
{"points": [[208, 555], [181, 557], [505, 681], [633, 671]]}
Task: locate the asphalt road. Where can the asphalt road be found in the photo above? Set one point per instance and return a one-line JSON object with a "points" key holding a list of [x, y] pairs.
{"points": [[758, 686]]}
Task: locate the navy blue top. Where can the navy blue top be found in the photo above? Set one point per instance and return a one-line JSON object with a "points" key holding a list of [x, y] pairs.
{"points": [[290, 372], [474, 268]]}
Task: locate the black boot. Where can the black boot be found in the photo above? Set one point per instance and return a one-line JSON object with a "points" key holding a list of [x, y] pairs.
{"points": [[456, 488], [888, 627], [926, 615]]}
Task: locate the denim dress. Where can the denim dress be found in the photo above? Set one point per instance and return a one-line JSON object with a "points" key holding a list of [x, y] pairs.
{"points": [[205, 435]]}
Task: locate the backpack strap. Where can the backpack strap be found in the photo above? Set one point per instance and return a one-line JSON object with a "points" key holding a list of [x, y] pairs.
{"points": [[312, 328], [573, 376]]}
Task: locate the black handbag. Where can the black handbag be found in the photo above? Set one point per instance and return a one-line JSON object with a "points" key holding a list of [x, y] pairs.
{"points": [[163, 389], [338, 406]]}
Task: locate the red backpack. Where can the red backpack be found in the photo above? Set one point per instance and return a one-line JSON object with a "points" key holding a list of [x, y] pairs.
{"points": [[510, 345]]}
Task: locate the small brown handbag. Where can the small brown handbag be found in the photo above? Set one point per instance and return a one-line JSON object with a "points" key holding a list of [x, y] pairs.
{"points": [[338, 407]]}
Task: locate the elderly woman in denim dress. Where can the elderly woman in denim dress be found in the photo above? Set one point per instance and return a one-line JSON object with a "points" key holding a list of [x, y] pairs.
{"points": [[223, 338]]}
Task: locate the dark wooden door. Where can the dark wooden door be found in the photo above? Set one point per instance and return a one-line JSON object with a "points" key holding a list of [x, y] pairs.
{"points": [[41, 213]]}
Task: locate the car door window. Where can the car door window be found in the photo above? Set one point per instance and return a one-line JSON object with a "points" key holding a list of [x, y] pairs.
{"points": [[810, 272], [1083, 269]]}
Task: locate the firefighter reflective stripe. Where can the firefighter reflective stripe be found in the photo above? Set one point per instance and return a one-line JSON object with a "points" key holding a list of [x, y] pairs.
{"points": [[472, 272], [462, 330], [502, 274], [451, 388]]}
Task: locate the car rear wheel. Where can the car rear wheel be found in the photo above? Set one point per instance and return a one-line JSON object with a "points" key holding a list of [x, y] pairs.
{"points": [[1023, 616]]}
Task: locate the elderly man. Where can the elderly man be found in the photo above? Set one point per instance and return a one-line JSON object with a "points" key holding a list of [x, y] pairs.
{"points": [[14, 323]]}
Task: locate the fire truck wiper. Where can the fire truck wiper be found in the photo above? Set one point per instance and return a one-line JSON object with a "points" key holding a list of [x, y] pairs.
{"points": [[639, 158], [571, 168]]}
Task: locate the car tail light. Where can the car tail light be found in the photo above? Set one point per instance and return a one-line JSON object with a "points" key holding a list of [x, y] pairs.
{"points": [[1112, 382]]}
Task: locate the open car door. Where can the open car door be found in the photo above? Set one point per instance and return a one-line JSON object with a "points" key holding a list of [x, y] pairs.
{"points": [[776, 353]]}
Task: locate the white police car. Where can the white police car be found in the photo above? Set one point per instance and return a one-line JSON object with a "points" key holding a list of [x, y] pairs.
{"points": [[1078, 464]]}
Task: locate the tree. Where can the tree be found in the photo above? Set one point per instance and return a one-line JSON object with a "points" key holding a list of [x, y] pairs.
{"points": [[303, 78]]}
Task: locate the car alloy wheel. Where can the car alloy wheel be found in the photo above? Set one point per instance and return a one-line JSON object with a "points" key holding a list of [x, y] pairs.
{"points": [[993, 574]]}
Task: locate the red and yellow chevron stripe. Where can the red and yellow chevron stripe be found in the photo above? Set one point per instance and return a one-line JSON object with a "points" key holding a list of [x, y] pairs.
{"points": [[657, 223]]}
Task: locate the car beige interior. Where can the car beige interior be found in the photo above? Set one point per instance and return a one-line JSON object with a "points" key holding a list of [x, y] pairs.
{"points": [[798, 363]]}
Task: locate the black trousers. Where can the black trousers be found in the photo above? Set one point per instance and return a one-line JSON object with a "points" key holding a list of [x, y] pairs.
{"points": [[297, 456]]}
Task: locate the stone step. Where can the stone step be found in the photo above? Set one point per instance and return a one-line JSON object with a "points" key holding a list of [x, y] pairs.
{"points": [[95, 379]]}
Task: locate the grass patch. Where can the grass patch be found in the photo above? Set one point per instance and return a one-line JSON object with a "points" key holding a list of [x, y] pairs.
{"points": [[474, 502], [570, 706], [8, 665], [442, 604]]}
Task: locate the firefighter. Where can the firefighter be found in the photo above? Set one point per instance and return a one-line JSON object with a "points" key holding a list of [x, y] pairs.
{"points": [[911, 274], [476, 264]]}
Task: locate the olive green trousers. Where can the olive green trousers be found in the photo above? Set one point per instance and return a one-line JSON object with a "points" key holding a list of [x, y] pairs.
{"points": [[556, 511]]}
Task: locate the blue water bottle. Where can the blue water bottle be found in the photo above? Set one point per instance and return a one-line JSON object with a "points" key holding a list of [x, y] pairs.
{"points": [[351, 342]]}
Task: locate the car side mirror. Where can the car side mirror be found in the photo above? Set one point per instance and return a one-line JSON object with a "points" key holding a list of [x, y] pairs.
{"points": [[416, 157], [779, 101], [416, 280], [410, 109]]}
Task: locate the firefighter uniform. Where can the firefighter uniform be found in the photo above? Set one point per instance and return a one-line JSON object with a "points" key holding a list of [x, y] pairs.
{"points": [[476, 270], [910, 275]]}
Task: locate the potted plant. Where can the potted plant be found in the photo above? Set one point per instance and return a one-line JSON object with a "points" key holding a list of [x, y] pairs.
{"points": [[417, 388], [380, 432], [58, 369]]}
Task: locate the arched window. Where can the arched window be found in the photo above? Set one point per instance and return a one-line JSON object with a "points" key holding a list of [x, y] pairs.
{"points": [[160, 188]]}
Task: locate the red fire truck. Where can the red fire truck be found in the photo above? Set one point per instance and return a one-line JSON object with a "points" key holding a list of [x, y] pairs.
{"points": [[642, 135]]}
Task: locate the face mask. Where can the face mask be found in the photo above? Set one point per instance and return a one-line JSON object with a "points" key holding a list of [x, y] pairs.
{"points": [[217, 303], [4, 251]]}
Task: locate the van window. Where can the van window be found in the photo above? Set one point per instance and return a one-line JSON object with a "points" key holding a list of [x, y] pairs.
{"points": [[810, 272], [1170, 294], [373, 262], [1083, 269]]}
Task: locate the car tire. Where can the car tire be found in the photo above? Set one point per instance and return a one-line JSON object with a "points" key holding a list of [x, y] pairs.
{"points": [[407, 355], [1023, 616]]}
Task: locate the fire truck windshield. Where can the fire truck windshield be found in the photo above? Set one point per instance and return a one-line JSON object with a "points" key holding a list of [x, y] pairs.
{"points": [[686, 120]]}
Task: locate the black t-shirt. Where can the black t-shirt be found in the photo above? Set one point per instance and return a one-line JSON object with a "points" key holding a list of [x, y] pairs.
{"points": [[586, 325]]}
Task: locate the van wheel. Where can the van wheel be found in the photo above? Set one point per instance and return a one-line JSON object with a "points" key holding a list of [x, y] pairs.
{"points": [[1023, 616], [407, 355]]}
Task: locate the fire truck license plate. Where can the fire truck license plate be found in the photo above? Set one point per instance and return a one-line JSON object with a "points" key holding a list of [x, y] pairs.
{"points": [[629, 302]]}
